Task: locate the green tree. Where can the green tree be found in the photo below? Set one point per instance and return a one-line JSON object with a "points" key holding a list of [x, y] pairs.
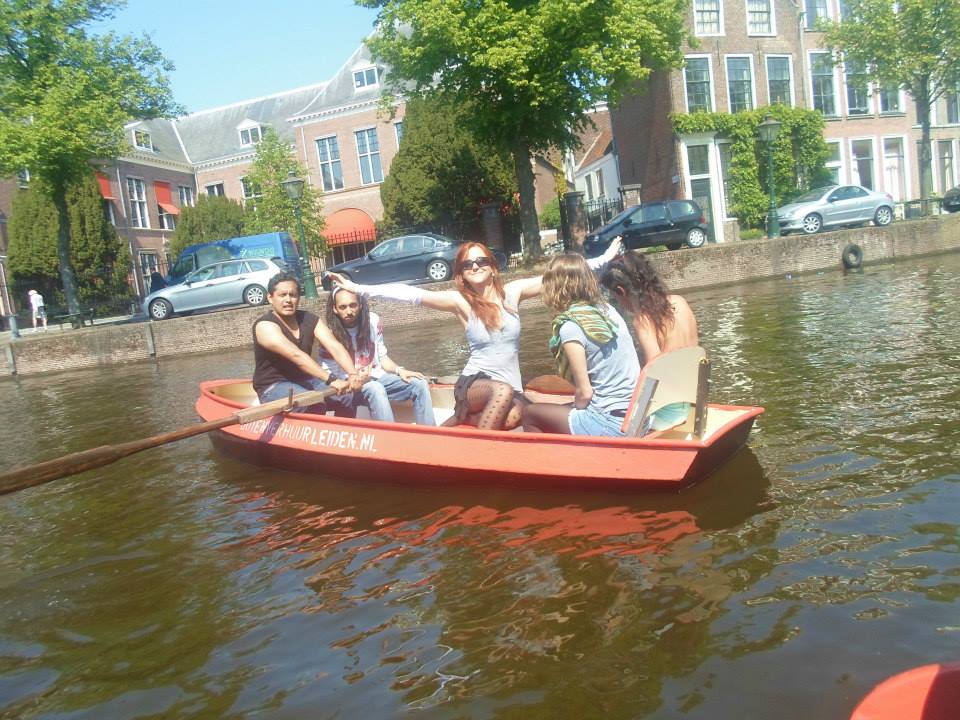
{"points": [[913, 44], [101, 258], [442, 172], [531, 70], [32, 253], [272, 210], [212, 218], [65, 96]]}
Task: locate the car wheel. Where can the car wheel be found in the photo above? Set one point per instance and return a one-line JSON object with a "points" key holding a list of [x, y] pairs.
{"points": [[883, 216], [812, 223], [438, 270], [160, 309], [696, 238], [254, 295]]}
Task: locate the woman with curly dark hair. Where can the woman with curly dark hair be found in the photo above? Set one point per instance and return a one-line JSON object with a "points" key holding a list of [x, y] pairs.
{"points": [[662, 322]]}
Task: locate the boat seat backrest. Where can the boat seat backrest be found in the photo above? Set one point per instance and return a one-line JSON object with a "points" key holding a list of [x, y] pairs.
{"points": [[673, 377]]}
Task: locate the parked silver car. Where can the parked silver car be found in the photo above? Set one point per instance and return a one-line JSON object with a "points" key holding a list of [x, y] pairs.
{"points": [[230, 282], [835, 205]]}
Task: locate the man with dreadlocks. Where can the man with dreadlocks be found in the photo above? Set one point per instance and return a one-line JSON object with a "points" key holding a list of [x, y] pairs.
{"points": [[361, 332]]}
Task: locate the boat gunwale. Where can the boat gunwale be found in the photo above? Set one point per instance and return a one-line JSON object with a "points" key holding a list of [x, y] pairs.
{"points": [[749, 412]]}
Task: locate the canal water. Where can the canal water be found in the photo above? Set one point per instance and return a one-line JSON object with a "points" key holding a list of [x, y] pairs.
{"points": [[182, 584]]}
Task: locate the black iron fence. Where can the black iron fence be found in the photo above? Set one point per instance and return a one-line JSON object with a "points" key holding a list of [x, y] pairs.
{"points": [[600, 211]]}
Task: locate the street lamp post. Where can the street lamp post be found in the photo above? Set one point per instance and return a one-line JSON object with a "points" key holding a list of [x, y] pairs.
{"points": [[293, 186], [769, 129]]}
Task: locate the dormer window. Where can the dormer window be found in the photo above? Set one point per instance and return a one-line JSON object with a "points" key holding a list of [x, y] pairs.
{"points": [[365, 78], [142, 140], [250, 135]]}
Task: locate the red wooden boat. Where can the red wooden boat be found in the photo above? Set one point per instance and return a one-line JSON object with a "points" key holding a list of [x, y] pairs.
{"points": [[365, 448]]}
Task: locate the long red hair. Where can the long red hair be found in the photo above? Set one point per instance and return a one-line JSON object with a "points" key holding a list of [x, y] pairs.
{"points": [[487, 311]]}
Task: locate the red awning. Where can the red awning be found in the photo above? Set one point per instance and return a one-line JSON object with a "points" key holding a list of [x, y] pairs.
{"points": [[349, 225], [104, 182], [165, 197]]}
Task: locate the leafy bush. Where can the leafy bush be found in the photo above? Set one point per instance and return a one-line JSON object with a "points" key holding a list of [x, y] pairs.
{"points": [[550, 217]]}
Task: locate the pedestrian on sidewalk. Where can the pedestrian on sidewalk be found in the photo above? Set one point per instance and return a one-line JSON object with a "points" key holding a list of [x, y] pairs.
{"points": [[39, 311]]}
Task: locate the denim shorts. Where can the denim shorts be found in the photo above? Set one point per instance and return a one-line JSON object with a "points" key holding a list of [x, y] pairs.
{"points": [[589, 421]]}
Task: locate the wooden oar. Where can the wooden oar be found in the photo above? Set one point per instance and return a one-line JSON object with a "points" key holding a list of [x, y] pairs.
{"points": [[106, 454]]}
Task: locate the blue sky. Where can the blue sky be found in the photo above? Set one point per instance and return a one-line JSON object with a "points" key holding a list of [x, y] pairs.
{"points": [[226, 51]]}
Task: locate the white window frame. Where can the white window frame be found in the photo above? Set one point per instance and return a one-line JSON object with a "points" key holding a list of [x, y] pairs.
{"points": [[136, 141], [906, 169], [250, 141], [773, 19], [723, 196], [946, 108], [839, 164], [369, 155], [709, 59], [901, 100], [873, 150], [753, 80], [398, 132], [362, 73], [938, 179], [220, 184], [836, 85], [720, 23], [793, 79], [321, 162], [109, 212], [23, 178], [247, 191], [167, 221], [186, 196], [809, 20], [137, 193], [871, 106]]}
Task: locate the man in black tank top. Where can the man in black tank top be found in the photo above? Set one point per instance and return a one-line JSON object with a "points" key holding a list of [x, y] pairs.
{"points": [[283, 341]]}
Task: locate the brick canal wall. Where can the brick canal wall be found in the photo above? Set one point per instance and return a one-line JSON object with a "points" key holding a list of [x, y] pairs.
{"points": [[730, 263]]}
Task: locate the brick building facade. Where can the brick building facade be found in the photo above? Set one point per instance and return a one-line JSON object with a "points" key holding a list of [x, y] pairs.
{"points": [[754, 53]]}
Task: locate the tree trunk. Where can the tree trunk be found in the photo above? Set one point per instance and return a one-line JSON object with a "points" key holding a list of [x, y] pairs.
{"points": [[926, 164], [528, 201], [67, 275]]}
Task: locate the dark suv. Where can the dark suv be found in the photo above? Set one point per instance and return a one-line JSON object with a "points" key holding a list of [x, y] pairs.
{"points": [[671, 223]]}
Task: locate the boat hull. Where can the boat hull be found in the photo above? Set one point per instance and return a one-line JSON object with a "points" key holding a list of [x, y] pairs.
{"points": [[366, 449]]}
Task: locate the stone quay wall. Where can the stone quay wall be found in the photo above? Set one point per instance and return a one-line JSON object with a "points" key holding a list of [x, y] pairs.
{"points": [[723, 264]]}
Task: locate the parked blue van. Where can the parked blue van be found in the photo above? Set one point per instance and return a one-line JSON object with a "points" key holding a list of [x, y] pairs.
{"points": [[268, 245]]}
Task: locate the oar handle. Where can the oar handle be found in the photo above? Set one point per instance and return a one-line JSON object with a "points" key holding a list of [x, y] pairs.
{"points": [[104, 455]]}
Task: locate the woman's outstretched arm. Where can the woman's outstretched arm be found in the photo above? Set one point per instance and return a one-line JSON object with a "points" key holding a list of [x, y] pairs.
{"points": [[446, 300]]}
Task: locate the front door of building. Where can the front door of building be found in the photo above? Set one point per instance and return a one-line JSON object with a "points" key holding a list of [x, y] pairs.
{"points": [[700, 189]]}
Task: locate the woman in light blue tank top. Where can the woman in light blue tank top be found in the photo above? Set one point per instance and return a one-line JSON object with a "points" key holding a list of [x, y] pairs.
{"points": [[489, 389]]}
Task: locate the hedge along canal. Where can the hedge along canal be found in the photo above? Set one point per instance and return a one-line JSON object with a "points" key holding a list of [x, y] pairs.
{"points": [[726, 264]]}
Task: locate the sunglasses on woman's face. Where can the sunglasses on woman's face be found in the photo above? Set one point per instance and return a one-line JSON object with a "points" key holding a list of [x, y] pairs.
{"points": [[481, 262]]}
